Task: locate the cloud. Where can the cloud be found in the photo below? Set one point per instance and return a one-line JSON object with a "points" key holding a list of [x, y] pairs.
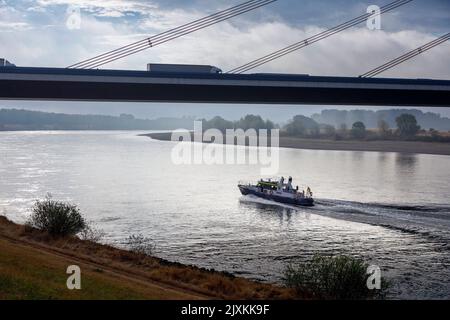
{"points": [[104, 8], [114, 23], [162, 20], [12, 26], [11, 19], [348, 54]]}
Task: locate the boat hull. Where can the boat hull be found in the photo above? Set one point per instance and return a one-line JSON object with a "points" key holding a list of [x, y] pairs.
{"points": [[299, 201]]}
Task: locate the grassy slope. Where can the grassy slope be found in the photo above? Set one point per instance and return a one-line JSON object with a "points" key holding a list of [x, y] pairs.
{"points": [[33, 266], [29, 273]]}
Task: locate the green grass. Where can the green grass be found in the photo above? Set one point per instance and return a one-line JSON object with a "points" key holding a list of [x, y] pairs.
{"points": [[27, 273]]}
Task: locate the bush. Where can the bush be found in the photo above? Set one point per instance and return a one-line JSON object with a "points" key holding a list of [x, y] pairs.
{"points": [[56, 218], [338, 277], [140, 244], [92, 234]]}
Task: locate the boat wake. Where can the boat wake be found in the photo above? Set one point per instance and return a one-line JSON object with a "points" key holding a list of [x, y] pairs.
{"points": [[252, 199], [431, 220]]}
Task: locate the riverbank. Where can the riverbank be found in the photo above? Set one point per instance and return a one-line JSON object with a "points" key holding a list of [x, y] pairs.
{"points": [[436, 148], [33, 266]]}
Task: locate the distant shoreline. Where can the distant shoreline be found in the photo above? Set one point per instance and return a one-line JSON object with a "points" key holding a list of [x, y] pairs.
{"points": [[413, 147]]}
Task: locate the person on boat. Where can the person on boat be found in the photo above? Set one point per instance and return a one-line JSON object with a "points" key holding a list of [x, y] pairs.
{"points": [[289, 184], [281, 183]]}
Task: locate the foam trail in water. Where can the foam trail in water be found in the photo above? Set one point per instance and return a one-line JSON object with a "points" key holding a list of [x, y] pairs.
{"points": [[255, 199], [430, 220]]}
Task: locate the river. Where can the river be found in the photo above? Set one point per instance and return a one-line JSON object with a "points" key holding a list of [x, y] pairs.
{"points": [[391, 209]]}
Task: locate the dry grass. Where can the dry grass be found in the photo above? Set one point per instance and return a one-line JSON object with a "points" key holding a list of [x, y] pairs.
{"points": [[108, 264]]}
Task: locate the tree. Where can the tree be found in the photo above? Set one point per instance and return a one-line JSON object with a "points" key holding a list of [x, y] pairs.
{"points": [[343, 129], [217, 123], [358, 130], [126, 116], [407, 125], [328, 130], [302, 126], [383, 128], [434, 133], [269, 125], [251, 121], [341, 132]]}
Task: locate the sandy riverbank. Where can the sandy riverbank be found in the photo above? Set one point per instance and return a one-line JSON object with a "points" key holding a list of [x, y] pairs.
{"points": [[349, 145]]}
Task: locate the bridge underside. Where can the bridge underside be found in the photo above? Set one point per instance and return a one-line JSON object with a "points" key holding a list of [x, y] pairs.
{"points": [[138, 86]]}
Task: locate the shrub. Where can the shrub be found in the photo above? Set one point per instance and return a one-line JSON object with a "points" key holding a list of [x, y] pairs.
{"points": [[92, 234], [56, 218], [338, 277], [137, 243]]}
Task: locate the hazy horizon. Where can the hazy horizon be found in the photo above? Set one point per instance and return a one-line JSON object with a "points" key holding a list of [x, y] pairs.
{"points": [[277, 113]]}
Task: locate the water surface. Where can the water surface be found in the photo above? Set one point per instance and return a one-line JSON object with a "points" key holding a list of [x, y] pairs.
{"points": [[391, 209]]}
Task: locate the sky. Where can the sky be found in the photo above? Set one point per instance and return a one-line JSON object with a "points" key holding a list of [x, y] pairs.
{"points": [[39, 33]]}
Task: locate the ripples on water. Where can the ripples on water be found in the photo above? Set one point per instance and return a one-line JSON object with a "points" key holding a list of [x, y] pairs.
{"points": [[393, 209]]}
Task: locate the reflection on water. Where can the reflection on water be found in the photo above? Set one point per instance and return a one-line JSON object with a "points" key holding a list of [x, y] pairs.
{"points": [[382, 157], [390, 209], [407, 161], [269, 210]]}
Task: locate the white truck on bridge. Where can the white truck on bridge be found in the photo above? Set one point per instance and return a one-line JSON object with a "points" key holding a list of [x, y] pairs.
{"points": [[182, 68]]}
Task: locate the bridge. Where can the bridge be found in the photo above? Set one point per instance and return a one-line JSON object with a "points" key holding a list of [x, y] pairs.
{"points": [[25, 83], [84, 81]]}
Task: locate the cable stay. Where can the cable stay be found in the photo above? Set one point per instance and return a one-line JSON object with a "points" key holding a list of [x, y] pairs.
{"points": [[320, 36], [172, 34], [409, 55]]}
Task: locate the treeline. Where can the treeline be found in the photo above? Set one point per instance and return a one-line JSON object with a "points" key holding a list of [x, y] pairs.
{"points": [[336, 118], [250, 121], [406, 128], [15, 119]]}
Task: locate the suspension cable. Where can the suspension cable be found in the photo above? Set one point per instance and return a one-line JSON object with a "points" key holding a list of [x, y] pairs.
{"points": [[174, 33], [409, 55], [322, 35]]}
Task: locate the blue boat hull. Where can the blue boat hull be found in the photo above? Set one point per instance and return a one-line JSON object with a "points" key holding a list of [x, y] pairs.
{"points": [[308, 202]]}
